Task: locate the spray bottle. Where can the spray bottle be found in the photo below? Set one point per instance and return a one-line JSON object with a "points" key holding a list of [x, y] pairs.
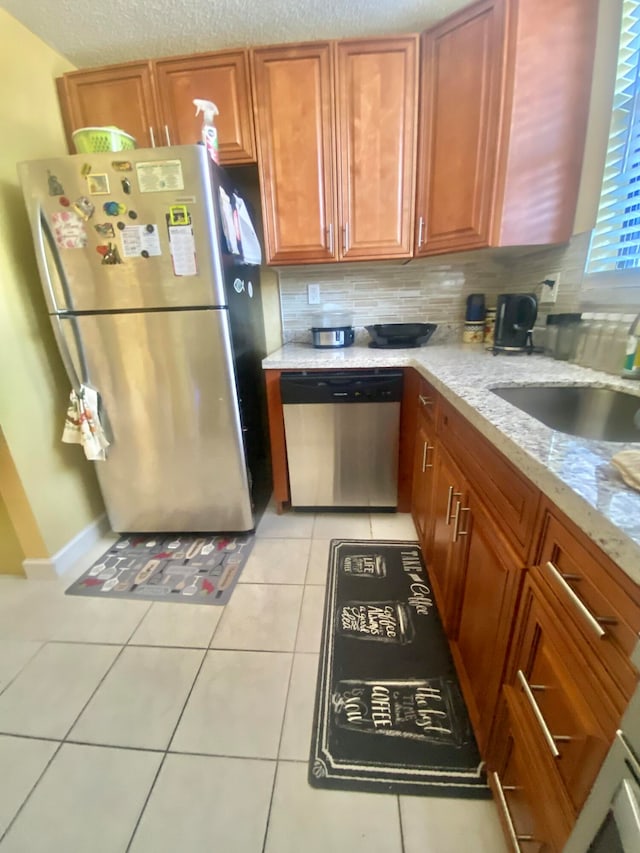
{"points": [[209, 132]]}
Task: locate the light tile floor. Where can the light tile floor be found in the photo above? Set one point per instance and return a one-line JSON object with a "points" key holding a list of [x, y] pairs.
{"points": [[132, 726]]}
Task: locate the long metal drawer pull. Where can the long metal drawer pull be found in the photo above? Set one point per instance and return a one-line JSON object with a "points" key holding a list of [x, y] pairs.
{"points": [[429, 447], [584, 611], [456, 521], [330, 230], [538, 714], [450, 498], [420, 231], [345, 235], [166, 134], [426, 401], [513, 835], [153, 138]]}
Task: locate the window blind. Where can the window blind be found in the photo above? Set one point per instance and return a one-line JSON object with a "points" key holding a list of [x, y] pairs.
{"points": [[613, 259]]}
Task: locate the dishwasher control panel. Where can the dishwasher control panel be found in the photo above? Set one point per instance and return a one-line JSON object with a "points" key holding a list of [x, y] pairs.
{"points": [[342, 386]]}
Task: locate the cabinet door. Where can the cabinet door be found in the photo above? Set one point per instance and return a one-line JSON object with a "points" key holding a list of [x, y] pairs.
{"points": [[377, 89], [219, 77], [447, 546], [422, 497], [491, 578], [555, 685], [532, 813], [293, 88], [605, 610], [461, 73], [121, 95]]}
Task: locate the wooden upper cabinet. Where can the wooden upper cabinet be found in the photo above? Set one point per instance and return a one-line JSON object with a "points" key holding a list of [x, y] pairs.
{"points": [[377, 90], [546, 106], [221, 77], [153, 101], [459, 130], [120, 95], [293, 88], [505, 98], [336, 128]]}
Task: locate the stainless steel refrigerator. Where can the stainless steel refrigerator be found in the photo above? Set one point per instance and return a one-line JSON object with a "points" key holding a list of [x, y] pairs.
{"points": [[152, 305]]}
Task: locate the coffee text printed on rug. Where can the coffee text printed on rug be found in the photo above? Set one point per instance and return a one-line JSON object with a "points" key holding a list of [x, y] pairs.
{"points": [[389, 712]]}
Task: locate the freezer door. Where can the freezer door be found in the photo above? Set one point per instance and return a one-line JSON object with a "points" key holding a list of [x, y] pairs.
{"points": [[176, 461], [132, 229]]}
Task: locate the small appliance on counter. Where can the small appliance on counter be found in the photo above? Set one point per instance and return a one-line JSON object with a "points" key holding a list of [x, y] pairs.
{"points": [[332, 328], [475, 308], [400, 335], [515, 317]]}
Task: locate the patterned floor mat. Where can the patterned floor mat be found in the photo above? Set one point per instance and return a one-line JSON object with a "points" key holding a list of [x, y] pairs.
{"points": [[185, 568], [389, 712]]}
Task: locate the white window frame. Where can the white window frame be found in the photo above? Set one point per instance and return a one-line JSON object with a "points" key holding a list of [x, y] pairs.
{"points": [[603, 282]]}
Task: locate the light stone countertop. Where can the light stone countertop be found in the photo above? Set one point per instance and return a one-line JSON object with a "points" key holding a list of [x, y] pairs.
{"points": [[575, 473]]}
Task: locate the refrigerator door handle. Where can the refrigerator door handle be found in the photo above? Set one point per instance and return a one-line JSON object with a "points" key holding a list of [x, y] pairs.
{"points": [[42, 232], [65, 352]]}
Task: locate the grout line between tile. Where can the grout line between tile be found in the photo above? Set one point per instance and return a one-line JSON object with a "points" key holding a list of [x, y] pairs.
{"points": [[98, 745], [33, 787], [144, 805], [166, 750], [140, 621], [98, 686], [400, 825], [205, 652], [284, 715], [24, 665]]}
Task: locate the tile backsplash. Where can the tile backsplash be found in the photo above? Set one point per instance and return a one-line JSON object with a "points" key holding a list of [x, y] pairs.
{"points": [[432, 290]]}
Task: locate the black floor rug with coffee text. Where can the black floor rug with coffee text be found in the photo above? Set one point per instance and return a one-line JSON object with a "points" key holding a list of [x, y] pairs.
{"points": [[389, 713]]}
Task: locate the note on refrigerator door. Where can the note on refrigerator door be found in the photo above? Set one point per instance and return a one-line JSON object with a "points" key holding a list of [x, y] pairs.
{"points": [[138, 240], [68, 230], [183, 250], [155, 176]]}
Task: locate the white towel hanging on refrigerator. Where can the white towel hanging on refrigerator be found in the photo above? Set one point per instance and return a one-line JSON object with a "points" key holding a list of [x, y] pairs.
{"points": [[82, 424]]}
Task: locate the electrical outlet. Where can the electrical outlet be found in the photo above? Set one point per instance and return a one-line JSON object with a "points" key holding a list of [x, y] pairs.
{"points": [[313, 294], [550, 293]]}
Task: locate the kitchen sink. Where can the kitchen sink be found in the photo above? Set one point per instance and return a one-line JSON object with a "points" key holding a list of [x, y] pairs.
{"points": [[604, 414]]}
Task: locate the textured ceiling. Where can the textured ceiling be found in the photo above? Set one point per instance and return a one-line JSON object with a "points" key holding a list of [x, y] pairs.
{"points": [[100, 33]]}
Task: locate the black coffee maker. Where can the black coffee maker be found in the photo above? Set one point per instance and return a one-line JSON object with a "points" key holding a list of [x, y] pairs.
{"points": [[515, 317]]}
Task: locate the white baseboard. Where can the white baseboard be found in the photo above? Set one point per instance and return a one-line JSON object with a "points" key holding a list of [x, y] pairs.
{"points": [[52, 567]]}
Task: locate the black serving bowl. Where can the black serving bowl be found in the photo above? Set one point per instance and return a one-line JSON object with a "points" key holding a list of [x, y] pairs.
{"points": [[400, 335]]}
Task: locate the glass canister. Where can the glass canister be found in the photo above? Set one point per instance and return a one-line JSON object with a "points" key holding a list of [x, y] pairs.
{"points": [[473, 332], [567, 336], [489, 326], [551, 336], [589, 354]]}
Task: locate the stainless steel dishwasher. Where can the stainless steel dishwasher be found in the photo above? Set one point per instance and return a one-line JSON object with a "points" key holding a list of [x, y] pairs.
{"points": [[341, 430]]}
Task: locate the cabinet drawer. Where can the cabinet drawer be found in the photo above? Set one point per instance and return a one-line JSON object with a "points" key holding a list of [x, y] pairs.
{"points": [[551, 680], [427, 401], [512, 499], [586, 584], [533, 809]]}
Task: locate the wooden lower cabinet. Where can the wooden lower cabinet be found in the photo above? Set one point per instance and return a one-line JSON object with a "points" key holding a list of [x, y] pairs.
{"points": [[490, 579], [553, 678], [425, 401], [447, 547], [542, 626], [422, 496], [606, 611], [535, 815]]}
